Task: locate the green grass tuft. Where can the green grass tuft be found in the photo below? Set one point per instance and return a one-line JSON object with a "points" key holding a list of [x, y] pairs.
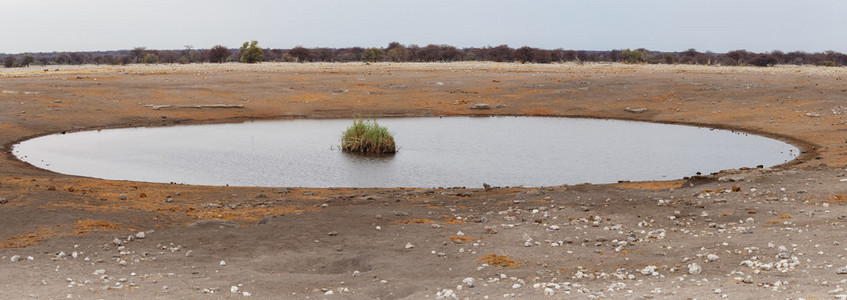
{"points": [[367, 137]]}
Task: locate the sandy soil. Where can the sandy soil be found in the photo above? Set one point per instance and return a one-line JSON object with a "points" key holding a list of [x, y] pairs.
{"points": [[742, 234]]}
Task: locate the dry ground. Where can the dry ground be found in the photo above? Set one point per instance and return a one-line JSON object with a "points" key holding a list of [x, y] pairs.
{"points": [[744, 234]]}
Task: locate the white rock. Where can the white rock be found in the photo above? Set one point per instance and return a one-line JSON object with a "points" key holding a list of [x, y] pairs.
{"points": [[223, 263], [329, 292], [649, 270], [694, 269], [233, 289], [140, 235], [712, 257], [99, 272], [468, 281], [409, 245], [246, 294], [549, 292], [516, 286], [16, 258]]}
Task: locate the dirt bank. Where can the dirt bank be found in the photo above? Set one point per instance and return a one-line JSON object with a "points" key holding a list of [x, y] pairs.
{"points": [[756, 232]]}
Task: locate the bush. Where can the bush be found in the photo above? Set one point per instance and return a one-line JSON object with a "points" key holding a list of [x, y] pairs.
{"points": [[631, 56], [219, 54], [27, 59], [251, 53], [373, 55], [763, 60], [9, 61], [151, 58], [300, 53], [367, 137]]}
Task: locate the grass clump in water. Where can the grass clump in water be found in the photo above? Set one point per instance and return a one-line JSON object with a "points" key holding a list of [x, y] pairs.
{"points": [[367, 137]]}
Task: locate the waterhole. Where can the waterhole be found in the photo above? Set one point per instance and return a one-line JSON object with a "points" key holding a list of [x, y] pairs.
{"points": [[433, 152]]}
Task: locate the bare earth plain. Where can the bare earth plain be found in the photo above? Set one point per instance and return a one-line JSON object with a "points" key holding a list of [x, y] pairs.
{"points": [[774, 233]]}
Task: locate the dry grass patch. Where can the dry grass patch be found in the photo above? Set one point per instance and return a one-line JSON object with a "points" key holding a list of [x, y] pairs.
{"points": [[499, 261], [417, 221], [457, 238], [368, 137]]}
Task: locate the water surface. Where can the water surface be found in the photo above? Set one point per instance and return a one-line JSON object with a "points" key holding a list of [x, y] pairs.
{"points": [[434, 152]]}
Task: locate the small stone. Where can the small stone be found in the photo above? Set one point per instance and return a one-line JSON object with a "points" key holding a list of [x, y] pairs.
{"points": [[333, 233], [636, 110], [409, 246], [233, 289], [468, 281], [123, 196], [99, 272], [223, 263], [140, 235], [694, 269], [3, 200], [480, 106], [246, 294], [329, 292], [648, 270], [16, 258], [189, 253], [841, 271], [549, 292], [712, 257]]}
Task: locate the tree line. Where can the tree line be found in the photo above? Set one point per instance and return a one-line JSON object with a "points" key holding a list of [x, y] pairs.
{"points": [[396, 52]]}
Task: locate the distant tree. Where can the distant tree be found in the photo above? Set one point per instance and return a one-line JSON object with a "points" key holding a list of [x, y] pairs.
{"points": [[397, 52], [9, 61], [27, 59], [523, 54], [219, 54], [631, 56], [251, 53], [300, 53], [373, 55], [738, 57], [151, 58], [763, 60], [125, 60], [498, 54], [449, 53], [428, 53], [137, 53]]}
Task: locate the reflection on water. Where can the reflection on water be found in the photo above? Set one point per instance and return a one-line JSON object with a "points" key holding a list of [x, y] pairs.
{"points": [[434, 152]]}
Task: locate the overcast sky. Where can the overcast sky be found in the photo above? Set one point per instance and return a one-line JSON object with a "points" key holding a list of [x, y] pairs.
{"points": [[664, 25]]}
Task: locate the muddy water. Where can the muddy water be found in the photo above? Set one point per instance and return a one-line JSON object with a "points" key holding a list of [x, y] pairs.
{"points": [[434, 152]]}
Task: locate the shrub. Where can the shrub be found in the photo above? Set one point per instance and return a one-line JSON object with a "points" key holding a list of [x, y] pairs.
{"points": [[373, 55], [9, 61], [151, 58], [631, 56], [218, 54], [251, 53], [300, 53], [27, 59], [763, 60], [367, 137]]}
